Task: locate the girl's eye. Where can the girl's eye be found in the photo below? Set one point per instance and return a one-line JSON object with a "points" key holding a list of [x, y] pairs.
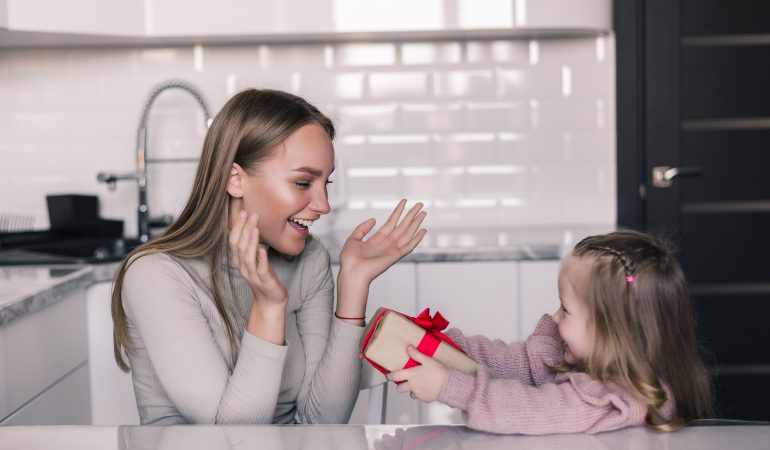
{"points": [[302, 184], [329, 181]]}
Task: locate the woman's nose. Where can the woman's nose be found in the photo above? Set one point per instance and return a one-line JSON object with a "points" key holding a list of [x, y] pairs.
{"points": [[557, 316], [320, 201]]}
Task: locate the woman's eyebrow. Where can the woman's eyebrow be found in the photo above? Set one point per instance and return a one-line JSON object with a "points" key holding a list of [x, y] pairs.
{"points": [[310, 170]]}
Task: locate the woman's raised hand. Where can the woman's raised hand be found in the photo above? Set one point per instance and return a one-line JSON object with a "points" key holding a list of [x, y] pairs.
{"points": [[251, 261], [365, 260]]}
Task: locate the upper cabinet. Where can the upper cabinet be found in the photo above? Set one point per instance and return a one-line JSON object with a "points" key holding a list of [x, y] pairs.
{"points": [[52, 22], [114, 17]]}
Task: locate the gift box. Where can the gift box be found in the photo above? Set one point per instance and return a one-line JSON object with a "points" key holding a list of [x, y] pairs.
{"points": [[388, 334]]}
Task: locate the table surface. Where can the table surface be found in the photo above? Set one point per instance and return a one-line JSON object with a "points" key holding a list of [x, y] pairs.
{"points": [[384, 437]]}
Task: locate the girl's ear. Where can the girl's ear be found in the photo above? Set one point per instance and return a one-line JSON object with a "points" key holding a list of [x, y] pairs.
{"points": [[235, 181]]}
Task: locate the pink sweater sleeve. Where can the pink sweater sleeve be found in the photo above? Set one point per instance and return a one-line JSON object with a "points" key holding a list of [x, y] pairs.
{"points": [[574, 404], [526, 361]]}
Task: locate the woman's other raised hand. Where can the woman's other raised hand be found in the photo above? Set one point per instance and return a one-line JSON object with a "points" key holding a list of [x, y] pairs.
{"points": [[361, 261], [364, 260]]}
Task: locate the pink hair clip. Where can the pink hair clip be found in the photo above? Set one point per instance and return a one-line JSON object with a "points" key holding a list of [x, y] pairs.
{"points": [[630, 278]]}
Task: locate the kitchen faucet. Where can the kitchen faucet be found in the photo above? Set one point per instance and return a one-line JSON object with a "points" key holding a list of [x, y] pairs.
{"points": [[143, 214]]}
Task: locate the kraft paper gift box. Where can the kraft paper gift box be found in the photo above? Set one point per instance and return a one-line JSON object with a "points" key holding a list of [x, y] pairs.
{"points": [[388, 334]]}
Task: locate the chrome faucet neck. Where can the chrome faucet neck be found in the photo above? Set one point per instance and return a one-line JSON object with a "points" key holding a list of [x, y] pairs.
{"points": [[143, 214]]}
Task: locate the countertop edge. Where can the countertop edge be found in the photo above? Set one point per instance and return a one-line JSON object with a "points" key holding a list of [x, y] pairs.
{"points": [[80, 279]]}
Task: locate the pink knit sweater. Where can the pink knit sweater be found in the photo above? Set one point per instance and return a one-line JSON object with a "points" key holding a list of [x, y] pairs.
{"points": [[514, 392]]}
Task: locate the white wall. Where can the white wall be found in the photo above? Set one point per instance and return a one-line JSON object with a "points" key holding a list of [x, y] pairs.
{"points": [[515, 132]]}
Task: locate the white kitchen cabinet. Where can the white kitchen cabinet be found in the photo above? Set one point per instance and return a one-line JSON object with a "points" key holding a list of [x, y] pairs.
{"points": [[539, 293], [60, 404], [95, 17], [479, 297], [189, 22], [4, 408], [111, 390], [41, 351]]}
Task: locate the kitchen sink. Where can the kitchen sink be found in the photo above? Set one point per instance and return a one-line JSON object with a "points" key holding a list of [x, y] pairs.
{"points": [[69, 251]]}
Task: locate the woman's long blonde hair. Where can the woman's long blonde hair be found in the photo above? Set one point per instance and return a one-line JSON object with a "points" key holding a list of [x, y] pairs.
{"points": [[246, 131], [642, 327]]}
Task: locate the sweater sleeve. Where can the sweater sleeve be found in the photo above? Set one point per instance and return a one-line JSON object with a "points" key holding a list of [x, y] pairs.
{"points": [[332, 368], [191, 369], [526, 361], [507, 406]]}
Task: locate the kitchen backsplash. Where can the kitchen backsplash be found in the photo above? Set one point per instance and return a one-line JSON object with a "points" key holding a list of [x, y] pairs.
{"points": [[485, 132]]}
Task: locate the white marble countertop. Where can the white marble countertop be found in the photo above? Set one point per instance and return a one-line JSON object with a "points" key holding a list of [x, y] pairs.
{"points": [[380, 437], [26, 289]]}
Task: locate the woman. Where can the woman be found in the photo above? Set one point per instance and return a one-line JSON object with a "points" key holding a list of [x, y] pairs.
{"points": [[227, 317]]}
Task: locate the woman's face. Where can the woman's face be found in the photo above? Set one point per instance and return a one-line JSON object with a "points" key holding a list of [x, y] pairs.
{"points": [[572, 315], [288, 190]]}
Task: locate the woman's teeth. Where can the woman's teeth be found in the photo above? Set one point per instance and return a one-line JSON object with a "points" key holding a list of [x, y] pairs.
{"points": [[303, 222]]}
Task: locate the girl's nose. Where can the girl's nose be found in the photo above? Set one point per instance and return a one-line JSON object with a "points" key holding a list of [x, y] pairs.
{"points": [[557, 316]]}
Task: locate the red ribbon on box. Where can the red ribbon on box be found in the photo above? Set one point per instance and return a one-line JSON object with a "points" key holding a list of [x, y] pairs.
{"points": [[433, 326]]}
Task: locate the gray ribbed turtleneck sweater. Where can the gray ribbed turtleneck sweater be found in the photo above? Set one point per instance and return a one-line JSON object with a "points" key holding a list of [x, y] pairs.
{"points": [[181, 360]]}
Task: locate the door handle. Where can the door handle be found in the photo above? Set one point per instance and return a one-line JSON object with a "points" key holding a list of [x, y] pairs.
{"points": [[663, 176]]}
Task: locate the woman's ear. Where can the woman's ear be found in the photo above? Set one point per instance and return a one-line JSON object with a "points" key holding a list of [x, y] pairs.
{"points": [[235, 181]]}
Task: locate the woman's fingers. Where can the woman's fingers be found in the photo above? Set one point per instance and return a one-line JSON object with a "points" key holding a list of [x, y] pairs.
{"points": [[249, 257], [243, 240], [414, 242], [411, 229], [363, 229], [392, 221], [235, 236], [406, 221], [263, 268]]}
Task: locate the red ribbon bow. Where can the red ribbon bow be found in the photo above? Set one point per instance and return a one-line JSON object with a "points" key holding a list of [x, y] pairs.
{"points": [[435, 323]]}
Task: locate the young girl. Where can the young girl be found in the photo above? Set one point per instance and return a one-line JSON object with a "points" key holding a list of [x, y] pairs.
{"points": [[619, 352], [227, 317]]}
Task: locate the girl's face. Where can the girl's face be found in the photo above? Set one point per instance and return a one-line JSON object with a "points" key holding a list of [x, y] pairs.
{"points": [[572, 315], [288, 190]]}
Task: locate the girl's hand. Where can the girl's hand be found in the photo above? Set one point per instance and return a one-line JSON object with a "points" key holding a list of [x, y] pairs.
{"points": [[251, 261], [365, 260], [424, 381]]}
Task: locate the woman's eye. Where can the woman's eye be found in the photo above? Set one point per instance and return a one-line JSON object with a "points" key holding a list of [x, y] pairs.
{"points": [[329, 181], [302, 184]]}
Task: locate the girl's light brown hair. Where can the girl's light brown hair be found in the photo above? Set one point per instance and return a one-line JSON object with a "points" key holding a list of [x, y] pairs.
{"points": [[246, 131], [641, 321]]}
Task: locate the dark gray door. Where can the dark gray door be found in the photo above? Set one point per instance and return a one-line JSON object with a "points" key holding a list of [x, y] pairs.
{"points": [[701, 161]]}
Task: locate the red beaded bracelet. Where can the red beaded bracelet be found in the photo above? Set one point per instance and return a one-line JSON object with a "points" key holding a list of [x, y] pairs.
{"points": [[348, 318]]}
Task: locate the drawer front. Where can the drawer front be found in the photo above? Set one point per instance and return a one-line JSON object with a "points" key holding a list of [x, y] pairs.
{"points": [[42, 347], [65, 403]]}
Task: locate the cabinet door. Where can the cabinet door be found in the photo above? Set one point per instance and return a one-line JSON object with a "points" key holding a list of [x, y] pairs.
{"points": [[4, 407], [64, 403], [478, 298], [539, 293], [112, 391], [42, 347], [115, 17]]}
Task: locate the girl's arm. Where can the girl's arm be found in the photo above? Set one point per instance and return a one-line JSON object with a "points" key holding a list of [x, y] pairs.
{"points": [[578, 404], [524, 361], [186, 360]]}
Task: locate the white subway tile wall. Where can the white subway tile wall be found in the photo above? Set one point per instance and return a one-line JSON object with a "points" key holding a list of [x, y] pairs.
{"points": [[485, 132]]}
